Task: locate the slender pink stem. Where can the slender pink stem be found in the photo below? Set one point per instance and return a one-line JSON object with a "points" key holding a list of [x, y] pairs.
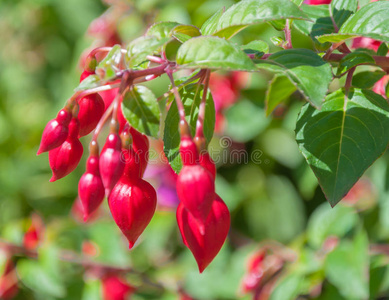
{"points": [[180, 105], [288, 35], [201, 116]]}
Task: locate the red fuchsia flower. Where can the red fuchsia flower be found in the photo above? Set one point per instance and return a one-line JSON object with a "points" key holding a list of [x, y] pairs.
{"points": [[64, 159], [91, 187], [91, 109], [111, 162], [255, 272], [204, 246], [116, 288], [207, 162], [381, 85], [34, 233], [141, 145], [85, 74], [8, 281], [132, 201], [317, 2], [55, 132], [364, 42]]}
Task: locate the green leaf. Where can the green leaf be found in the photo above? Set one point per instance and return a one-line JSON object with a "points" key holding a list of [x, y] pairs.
{"points": [[343, 139], [141, 109], [256, 47], [184, 33], [210, 25], [280, 89], [191, 97], [366, 79], [305, 69], [139, 48], [354, 59], [347, 267], [322, 23], [382, 49], [89, 82], [288, 287], [213, 53], [342, 10], [110, 64], [370, 21], [161, 30], [249, 12], [326, 222]]}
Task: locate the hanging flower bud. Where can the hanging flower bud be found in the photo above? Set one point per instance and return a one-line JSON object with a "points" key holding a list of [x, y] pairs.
{"points": [[111, 162], [188, 149], [132, 204], [90, 112], [140, 144], [64, 159], [115, 288], [34, 233], [207, 162], [207, 245], [8, 281], [196, 190], [90, 186], [55, 132]]}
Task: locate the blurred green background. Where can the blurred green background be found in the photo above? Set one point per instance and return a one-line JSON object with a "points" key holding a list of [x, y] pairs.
{"points": [[274, 199]]}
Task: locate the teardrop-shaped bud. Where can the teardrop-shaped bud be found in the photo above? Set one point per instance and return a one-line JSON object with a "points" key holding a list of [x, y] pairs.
{"points": [[64, 159], [115, 288], [91, 109], [90, 187], [188, 151], [55, 132], [196, 190], [207, 162], [140, 144], [132, 164], [205, 247], [111, 162], [132, 204]]}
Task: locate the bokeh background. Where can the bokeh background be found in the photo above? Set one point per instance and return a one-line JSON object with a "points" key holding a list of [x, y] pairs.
{"points": [[303, 248]]}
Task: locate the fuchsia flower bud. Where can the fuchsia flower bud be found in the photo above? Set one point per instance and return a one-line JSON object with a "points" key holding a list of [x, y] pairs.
{"points": [[64, 159], [207, 162], [55, 132], [188, 151], [34, 233], [91, 109], [115, 288], [205, 246], [90, 187], [111, 162], [140, 144], [132, 201]]}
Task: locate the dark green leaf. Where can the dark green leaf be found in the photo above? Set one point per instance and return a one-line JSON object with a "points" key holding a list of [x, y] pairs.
{"points": [[280, 88], [139, 48], [161, 30], [90, 82], [343, 139], [370, 21], [110, 64], [191, 97], [185, 32], [213, 53], [210, 25], [347, 267], [382, 50], [366, 79], [305, 69], [322, 23], [354, 59], [342, 10], [257, 47], [141, 109], [248, 12]]}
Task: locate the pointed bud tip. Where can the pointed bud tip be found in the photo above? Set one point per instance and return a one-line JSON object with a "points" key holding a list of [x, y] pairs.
{"points": [[130, 245], [86, 217], [52, 179]]}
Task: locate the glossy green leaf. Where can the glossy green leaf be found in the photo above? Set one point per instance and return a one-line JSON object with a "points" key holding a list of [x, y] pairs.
{"points": [[280, 89], [210, 25], [185, 32], [347, 267], [354, 59], [89, 82], [191, 97], [109, 65], [161, 30], [366, 79], [342, 10], [322, 23], [249, 12], [141, 109], [382, 49], [370, 21], [343, 139], [213, 53], [139, 48], [305, 69]]}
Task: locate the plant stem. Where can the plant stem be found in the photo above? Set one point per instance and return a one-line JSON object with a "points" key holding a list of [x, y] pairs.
{"points": [[288, 35], [180, 105], [201, 116]]}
